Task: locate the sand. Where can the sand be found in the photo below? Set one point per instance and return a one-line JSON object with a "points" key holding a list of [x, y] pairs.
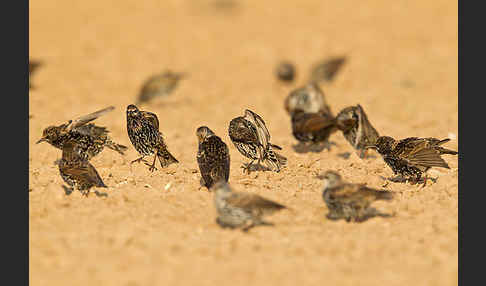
{"points": [[159, 228]]}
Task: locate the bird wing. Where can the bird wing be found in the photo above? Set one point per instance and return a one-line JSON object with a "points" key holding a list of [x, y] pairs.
{"points": [[87, 118], [86, 172], [151, 117], [359, 194], [325, 70], [314, 122], [366, 133], [261, 128], [91, 130], [252, 202], [425, 155]]}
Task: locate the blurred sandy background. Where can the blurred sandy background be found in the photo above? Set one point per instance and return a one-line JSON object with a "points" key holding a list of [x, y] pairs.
{"points": [[158, 228]]}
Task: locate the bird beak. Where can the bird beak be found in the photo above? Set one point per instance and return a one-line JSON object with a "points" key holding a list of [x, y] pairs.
{"points": [[41, 140], [370, 147]]}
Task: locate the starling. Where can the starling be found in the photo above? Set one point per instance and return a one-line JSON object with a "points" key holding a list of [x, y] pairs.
{"points": [[76, 170], [308, 98], [356, 128], [143, 131], [212, 157], [312, 129], [250, 136], [91, 138], [159, 85], [241, 210], [285, 71], [350, 201], [326, 69], [33, 66], [411, 157]]}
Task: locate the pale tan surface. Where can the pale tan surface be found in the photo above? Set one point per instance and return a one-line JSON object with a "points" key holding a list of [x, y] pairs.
{"points": [[402, 68]]}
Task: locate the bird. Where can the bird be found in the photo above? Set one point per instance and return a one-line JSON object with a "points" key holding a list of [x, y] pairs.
{"points": [[353, 122], [159, 85], [309, 98], [312, 130], [33, 66], [326, 70], [285, 71], [91, 138], [212, 157], [411, 157], [239, 209], [250, 136], [350, 201], [76, 170], [143, 131]]}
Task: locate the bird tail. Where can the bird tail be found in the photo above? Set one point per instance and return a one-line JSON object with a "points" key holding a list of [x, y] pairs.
{"points": [[165, 157], [116, 147], [443, 150], [274, 160]]}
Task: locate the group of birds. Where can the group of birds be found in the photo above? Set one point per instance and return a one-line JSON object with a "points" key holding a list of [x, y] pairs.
{"points": [[312, 125]]}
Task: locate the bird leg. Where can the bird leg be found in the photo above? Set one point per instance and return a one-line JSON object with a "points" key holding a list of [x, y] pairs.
{"points": [[247, 167], [152, 167], [138, 160], [85, 193]]}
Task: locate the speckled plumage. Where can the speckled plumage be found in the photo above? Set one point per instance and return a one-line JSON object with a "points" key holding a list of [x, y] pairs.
{"points": [[212, 157], [413, 156], [309, 98], [143, 131], [356, 128], [91, 138], [241, 210], [250, 136], [76, 171], [159, 85], [350, 201]]}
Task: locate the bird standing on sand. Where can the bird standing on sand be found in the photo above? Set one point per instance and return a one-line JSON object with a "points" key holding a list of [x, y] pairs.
{"points": [[241, 210], [350, 201], [250, 136], [143, 131], [356, 128], [212, 157], [411, 157]]}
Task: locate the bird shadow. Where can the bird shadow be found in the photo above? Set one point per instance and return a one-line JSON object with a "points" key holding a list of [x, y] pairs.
{"points": [[69, 191], [402, 180], [314, 147], [344, 155], [370, 213], [254, 167]]}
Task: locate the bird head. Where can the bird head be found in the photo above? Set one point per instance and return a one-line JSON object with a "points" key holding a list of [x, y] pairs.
{"points": [[203, 132], [347, 118], [49, 134], [331, 178], [132, 111]]}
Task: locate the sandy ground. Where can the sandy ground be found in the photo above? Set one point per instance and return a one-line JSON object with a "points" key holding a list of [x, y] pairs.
{"points": [[159, 228]]}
